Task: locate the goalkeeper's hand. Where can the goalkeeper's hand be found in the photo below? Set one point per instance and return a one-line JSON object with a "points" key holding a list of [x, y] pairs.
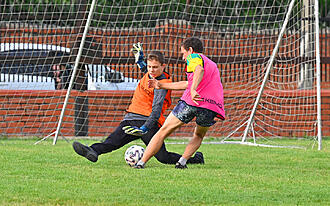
{"points": [[136, 131], [138, 54]]}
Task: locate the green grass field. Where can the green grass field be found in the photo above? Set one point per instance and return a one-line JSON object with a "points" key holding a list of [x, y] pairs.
{"points": [[44, 174]]}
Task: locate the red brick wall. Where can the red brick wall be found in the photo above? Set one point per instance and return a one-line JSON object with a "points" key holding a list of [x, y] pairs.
{"points": [[36, 113]]}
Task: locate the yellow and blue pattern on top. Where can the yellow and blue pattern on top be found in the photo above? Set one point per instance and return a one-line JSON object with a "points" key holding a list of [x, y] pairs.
{"points": [[193, 60]]}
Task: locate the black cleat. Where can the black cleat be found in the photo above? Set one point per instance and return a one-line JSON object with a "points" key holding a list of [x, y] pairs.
{"points": [[85, 151], [180, 166], [199, 157], [139, 167]]}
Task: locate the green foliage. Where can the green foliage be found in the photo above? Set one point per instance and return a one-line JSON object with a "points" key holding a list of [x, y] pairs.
{"points": [[134, 13], [44, 174]]}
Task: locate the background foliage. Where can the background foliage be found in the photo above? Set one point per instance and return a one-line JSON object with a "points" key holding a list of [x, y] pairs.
{"points": [[113, 13]]}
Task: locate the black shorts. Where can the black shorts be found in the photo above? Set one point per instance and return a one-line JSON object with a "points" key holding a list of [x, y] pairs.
{"points": [[185, 113]]}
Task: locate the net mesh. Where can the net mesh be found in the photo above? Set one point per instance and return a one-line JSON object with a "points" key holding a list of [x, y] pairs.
{"points": [[40, 43]]}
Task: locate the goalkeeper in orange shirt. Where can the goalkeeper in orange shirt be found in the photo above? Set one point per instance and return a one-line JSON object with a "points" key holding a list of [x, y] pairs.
{"points": [[144, 115]]}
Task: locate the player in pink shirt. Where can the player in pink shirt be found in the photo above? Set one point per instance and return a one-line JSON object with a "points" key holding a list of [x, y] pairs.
{"points": [[202, 98]]}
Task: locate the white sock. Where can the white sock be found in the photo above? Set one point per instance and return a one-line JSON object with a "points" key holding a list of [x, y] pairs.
{"points": [[182, 161], [141, 163]]}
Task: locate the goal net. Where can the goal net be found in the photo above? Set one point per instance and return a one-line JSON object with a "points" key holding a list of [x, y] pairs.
{"points": [[67, 70]]}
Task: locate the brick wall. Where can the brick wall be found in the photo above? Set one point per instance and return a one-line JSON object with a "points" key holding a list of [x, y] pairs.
{"points": [[107, 46], [36, 113]]}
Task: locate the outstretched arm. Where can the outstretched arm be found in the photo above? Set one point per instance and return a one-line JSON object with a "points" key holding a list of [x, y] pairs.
{"points": [[154, 83]]}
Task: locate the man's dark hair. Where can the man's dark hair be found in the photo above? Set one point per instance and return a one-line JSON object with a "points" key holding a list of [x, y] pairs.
{"points": [[156, 55], [195, 43]]}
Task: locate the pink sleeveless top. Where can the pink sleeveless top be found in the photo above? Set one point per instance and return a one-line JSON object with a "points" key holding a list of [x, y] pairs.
{"points": [[210, 88]]}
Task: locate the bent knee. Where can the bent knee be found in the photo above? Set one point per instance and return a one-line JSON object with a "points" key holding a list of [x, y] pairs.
{"points": [[200, 132]]}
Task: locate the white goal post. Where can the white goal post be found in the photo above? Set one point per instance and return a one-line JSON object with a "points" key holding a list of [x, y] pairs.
{"points": [[66, 68]]}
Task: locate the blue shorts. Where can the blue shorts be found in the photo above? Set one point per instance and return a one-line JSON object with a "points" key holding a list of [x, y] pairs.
{"points": [[185, 113]]}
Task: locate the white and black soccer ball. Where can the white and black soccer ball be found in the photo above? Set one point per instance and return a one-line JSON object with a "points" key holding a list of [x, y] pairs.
{"points": [[133, 154]]}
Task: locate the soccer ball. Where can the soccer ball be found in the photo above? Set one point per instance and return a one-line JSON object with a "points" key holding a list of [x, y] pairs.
{"points": [[133, 154]]}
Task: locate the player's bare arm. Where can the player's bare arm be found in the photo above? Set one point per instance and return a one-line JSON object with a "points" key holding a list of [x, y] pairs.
{"points": [[154, 83]]}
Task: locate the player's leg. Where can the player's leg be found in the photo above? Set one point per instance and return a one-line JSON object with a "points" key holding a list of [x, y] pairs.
{"points": [[204, 120], [118, 138], [162, 155], [195, 142], [171, 124], [192, 146], [167, 157], [114, 141], [181, 114]]}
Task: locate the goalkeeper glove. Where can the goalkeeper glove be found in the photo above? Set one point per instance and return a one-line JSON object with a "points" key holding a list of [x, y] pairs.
{"points": [[136, 131], [139, 58]]}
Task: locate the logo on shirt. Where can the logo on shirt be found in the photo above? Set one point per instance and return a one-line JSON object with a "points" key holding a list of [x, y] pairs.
{"points": [[211, 101]]}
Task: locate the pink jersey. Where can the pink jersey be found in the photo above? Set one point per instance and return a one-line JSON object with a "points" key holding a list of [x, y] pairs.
{"points": [[210, 88]]}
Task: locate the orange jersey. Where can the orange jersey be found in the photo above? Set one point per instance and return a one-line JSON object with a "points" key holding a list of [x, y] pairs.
{"points": [[143, 98]]}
